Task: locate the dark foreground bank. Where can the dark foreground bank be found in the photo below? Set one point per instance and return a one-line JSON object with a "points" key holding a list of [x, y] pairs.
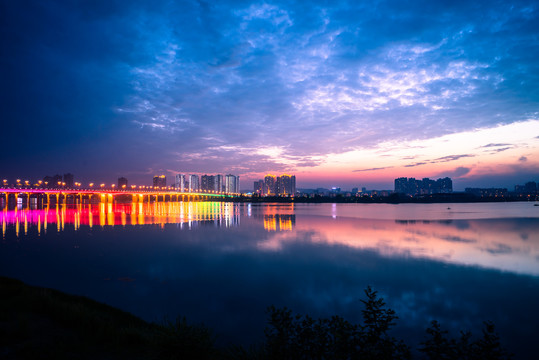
{"points": [[40, 323]]}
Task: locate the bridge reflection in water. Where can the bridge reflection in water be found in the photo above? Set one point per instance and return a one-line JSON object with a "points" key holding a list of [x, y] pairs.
{"points": [[188, 214]]}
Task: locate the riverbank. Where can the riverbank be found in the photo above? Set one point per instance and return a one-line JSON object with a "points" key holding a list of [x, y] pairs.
{"points": [[41, 323]]}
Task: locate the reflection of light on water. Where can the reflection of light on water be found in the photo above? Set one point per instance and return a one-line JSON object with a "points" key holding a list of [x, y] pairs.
{"points": [[279, 222], [108, 214]]}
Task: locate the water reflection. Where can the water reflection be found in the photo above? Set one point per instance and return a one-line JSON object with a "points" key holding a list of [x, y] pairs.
{"points": [[504, 244], [189, 214], [510, 244]]}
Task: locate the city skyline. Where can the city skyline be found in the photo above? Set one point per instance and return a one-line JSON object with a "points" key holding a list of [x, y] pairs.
{"points": [[350, 94]]}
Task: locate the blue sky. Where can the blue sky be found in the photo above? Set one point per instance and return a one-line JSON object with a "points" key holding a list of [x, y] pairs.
{"points": [[342, 93]]}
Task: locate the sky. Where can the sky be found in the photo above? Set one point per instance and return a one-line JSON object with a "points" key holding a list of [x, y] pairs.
{"points": [[339, 93]]}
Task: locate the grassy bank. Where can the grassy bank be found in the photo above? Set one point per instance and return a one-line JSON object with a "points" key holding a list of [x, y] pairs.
{"points": [[42, 323]]}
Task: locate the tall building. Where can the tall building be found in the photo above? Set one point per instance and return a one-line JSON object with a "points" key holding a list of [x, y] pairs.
{"points": [[425, 186], [122, 183], [219, 183], [159, 181], [232, 184], [180, 182], [270, 181], [69, 179], [208, 182], [445, 185], [194, 183], [259, 187], [286, 185]]}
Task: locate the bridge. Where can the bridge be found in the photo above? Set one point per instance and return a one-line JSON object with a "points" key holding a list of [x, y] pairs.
{"points": [[59, 196]]}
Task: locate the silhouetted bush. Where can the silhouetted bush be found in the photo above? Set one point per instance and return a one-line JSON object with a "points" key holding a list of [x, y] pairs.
{"points": [[291, 336]]}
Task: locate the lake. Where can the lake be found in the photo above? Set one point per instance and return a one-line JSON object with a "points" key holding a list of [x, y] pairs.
{"points": [[223, 264]]}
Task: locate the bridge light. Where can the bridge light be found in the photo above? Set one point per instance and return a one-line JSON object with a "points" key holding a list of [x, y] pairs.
{"points": [[102, 185], [91, 184]]}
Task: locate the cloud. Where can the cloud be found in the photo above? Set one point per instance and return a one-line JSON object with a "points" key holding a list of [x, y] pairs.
{"points": [[373, 169], [458, 239], [457, 173], [499, 249], [495, 145], [502, 149], [451, 158], [523, 159], [416, 164]]}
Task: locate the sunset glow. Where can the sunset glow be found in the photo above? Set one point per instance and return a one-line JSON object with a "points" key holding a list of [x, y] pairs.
{"points": [[346, 94]]}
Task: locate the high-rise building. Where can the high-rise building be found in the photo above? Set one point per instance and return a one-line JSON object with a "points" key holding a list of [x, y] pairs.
{"points": [[232, 183], [208, 182], [180, 182], [259, 187], [270, 181], [194, 183], [122, 183], [69, 179], [286, 185], [426, 186], [444, 185], [159, 181], [219, 183]]}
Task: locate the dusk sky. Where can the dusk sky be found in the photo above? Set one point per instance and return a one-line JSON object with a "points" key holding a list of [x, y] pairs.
{"points": [[339, 93]]}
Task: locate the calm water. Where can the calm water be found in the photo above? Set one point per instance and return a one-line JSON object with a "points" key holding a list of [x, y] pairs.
{"points": [[223, 264]]}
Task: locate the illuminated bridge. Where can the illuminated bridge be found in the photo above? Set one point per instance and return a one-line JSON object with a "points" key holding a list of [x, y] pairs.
{"points": [[80, 196]]}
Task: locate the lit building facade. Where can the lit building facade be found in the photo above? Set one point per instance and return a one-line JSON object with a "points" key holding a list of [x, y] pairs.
{"points": [[219, 183], [194, 183], [232, 184], [259, 187], [283, 185], [180, 182], [286, 185], [159, 181], [270, 182]]}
